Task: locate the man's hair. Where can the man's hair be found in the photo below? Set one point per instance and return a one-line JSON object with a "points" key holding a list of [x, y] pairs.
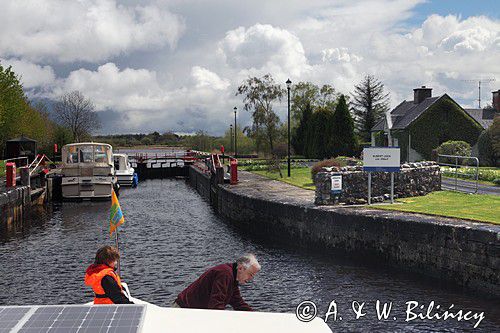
{"points": [[248, 260], [106, 254]]}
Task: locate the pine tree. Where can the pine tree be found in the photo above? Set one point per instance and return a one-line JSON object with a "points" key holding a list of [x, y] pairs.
{"points": [[299, 137], [318, 134], [342, 139], [369, 103]]}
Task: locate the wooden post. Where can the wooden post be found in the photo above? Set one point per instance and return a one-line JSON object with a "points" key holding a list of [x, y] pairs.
{"points": [[25, 176]]}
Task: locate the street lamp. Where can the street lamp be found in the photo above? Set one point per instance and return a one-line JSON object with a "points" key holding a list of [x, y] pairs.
{"points": [[231, 136], [288, 84], [235, 135]]}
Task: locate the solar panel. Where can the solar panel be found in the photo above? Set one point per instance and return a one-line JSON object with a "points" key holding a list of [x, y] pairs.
{"points": [[72, 319], [9, 317]]}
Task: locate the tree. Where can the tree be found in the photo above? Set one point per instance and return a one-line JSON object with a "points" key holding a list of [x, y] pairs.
{"points": [[342, 141], [318, 132], [259, 96], [307, 94], [77, 113], [485, 146], [369, 104], [299, 136], [495, 138], [13, 105]]}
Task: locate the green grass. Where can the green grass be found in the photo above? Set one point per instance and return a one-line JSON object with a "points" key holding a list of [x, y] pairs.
{"points": [[300, 177], [2, 168], [477, 207]]}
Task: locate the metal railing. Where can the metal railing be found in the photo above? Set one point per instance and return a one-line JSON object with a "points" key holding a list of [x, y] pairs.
{"points": [[17, 158], [456, 163]]}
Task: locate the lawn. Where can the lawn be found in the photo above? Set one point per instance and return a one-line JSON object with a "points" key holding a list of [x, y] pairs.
{"points": [[478, 207], [300, 177], [2, 168]]}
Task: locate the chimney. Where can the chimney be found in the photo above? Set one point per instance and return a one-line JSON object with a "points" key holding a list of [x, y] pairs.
{"points": [[496, 100], [419, 94]]}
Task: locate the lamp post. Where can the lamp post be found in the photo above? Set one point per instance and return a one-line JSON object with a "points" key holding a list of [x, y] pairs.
{"points": [[235, 135], [231, 136], [288, 84]]}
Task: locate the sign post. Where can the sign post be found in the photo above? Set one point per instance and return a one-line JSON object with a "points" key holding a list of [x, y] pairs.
{"points": [[381, 159], [336, 188]]}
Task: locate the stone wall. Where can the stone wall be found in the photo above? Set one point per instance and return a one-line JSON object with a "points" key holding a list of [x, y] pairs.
{"points": [[461, 252], [414, 179], [13, 204]]}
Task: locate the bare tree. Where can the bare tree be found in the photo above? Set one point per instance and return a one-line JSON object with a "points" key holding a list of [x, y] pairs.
{"points": [[77, 113]]}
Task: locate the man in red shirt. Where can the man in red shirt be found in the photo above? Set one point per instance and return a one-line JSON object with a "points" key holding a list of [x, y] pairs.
{"points": [[218, 286]]}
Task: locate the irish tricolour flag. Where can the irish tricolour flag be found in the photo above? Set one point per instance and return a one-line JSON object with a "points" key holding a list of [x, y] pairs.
{"points": [[116, 216]]}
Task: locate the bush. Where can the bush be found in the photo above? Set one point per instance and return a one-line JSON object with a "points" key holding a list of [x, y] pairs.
{"points": [[460, 148], [496, 181], [457, 148], [485, 146], [348, 161], [325, 164]]}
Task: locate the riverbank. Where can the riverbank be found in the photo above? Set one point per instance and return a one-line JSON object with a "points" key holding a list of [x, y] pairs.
{"points": [[453, 250]]}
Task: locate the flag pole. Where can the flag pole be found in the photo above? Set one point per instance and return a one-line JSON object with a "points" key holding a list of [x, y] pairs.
{"points": [[118, 249]]}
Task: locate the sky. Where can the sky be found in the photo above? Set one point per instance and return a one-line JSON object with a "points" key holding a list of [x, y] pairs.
{"points": [[175, 65]]}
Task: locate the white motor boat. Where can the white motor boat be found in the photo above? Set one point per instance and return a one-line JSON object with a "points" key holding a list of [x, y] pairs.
{"points": [[88, 171], [165, 319], [144, 317], [123, 170]]}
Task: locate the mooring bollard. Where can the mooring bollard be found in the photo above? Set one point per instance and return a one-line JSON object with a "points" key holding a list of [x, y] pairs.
{"points": [[234, 171], [25, 176], [10, 172]]}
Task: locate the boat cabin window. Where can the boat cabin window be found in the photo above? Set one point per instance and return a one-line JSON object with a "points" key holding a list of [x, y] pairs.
{"points": [[88, 154], [72, 155], [101, 154]]}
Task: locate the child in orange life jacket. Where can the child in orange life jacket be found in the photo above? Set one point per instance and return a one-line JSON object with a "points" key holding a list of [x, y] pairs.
{"points": [[101, 276]]}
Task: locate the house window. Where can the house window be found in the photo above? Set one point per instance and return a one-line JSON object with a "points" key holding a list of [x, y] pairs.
{"points": [[395, 142]]}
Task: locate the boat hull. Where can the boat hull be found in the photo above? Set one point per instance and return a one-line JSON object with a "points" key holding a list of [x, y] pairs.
{"points": [[125, 179], [98, 187]]}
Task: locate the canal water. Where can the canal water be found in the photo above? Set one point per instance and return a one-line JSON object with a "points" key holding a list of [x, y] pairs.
{"points": [[171, 236]]}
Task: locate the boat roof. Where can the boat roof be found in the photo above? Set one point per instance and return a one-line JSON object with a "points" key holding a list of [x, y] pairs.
{"points": [[87, 144], [147, 317]]}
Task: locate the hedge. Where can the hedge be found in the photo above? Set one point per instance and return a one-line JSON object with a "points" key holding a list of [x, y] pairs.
{"points": [[443, 121]]}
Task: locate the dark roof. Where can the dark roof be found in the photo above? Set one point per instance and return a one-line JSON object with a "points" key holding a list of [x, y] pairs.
{"points": [[481, 116], [22, 138], [405, 113]]}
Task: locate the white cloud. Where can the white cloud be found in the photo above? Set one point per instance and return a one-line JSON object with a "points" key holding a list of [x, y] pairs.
{"points": [[192, 86], [142, 101], [263, 48], [31, 75], [204, 78], [339, 54], [86, 30], [121, 90]]}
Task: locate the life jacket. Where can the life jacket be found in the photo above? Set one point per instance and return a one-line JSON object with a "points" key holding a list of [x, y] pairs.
{"points": [[93, 277]]}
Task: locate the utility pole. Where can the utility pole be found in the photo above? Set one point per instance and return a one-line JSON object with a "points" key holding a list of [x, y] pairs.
{"points": [[235, 135], [288, 85], [479, 86], [231, 137]]}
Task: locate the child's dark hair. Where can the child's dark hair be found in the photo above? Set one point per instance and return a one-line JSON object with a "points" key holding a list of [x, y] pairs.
{"points": [[106, 255]]}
